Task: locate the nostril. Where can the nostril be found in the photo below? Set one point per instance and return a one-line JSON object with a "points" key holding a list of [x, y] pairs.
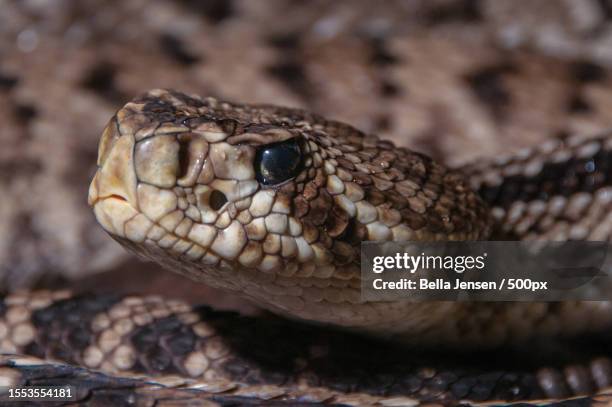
{"points": [[217, 200], [191, 154]]}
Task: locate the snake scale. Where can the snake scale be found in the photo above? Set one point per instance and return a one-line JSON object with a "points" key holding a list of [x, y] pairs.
{"points": [[403, 70], [273, 203]]}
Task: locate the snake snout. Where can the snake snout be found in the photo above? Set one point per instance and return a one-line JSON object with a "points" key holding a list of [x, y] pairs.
{"points": [[112, 192]]}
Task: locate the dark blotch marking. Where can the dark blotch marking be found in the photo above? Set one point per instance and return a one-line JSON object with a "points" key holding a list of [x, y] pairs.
{"points": [[159, 110], [25, 113], [25, 167], [175, 48], [380, 55], [606, 8], [562, 134], [181, 345], [63, 328], [467, 11], [101, 80], [7, 82], [285, 41], [157, 360], [269, 350], [292, 74], [389, 89], [488, 85], [162, 344], [578, 104], [383, 123], [566, 178], [213, 10], [336, 222], [588, 72]]}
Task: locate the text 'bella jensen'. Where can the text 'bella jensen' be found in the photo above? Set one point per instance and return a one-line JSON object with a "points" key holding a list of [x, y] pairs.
{"points": [[436, 284]]}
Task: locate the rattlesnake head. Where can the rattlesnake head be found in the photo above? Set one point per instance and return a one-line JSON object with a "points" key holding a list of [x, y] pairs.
{"points": [[270, 202]]}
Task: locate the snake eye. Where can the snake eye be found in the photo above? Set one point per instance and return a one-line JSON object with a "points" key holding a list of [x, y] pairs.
{"points": [[278, 162]]}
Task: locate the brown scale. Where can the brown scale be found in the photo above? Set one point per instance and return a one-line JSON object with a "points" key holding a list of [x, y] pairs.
{"points": [[579, 175], [337, 221], [576, 174], [267, 351], [389, 163], [93, 388], [395, 185]]}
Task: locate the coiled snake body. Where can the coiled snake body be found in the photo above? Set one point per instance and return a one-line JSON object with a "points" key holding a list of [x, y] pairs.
{"points": [[273, 203]]}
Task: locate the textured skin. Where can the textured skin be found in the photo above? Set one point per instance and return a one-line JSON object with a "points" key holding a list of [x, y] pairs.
{"points": [[407, 68], [251, 359], [294, 248], [93, 388], [560, 190], [155, 336], [555, 83], [219, 351]]}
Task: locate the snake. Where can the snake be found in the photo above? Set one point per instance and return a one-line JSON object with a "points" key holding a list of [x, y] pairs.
{"points": [[273, 203]]}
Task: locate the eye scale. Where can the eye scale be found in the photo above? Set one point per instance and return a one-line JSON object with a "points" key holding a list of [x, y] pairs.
{"points": [[278, 162]]}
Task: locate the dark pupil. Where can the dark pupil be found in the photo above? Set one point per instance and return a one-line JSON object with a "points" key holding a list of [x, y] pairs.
{"points": [[278, 162]]}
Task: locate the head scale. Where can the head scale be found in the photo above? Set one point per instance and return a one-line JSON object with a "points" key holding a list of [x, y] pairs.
{"points": [[268, 201]]}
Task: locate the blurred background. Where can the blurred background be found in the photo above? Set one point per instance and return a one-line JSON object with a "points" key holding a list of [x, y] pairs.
{"points": [[454, 79]]}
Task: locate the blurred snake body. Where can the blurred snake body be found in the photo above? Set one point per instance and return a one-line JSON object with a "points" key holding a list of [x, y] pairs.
{"points": [[273, 203]]}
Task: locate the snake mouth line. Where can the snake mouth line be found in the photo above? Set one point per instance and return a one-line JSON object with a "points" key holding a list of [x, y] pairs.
{"points": [[115, 196]]}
